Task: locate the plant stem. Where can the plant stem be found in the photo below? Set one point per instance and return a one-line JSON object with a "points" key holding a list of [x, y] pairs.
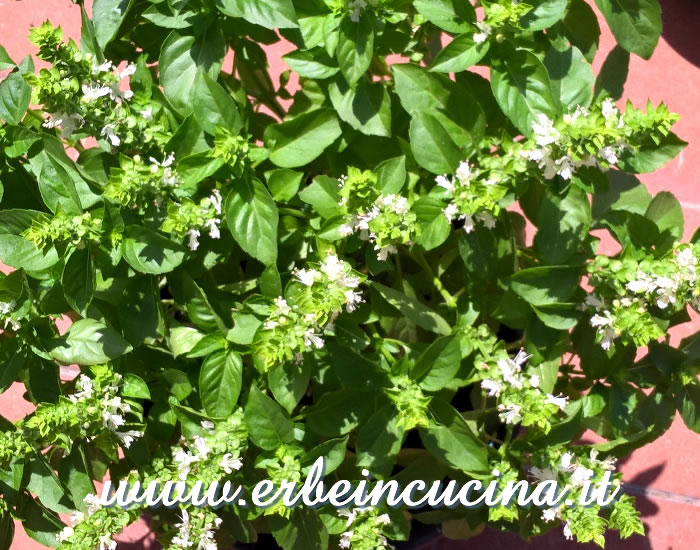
{"points": [[293, 212], [449, 299]]}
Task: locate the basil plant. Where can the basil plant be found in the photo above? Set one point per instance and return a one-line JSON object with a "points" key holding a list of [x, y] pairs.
{"points": [[389, 258]]}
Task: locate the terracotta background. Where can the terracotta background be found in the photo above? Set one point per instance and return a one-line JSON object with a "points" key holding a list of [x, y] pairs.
{"points": [[668, 467]]}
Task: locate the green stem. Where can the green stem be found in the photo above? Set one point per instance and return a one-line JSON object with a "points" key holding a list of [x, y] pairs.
{"points": [[292, 212], [449, 299]]}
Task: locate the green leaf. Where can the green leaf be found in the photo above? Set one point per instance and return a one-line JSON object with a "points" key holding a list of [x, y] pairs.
{"points": [[141, 316], [5, 60], [181, 55], [438, 364], [88, 342], [74, 474], [651, 156], [183, 339], [379, 441], [213, 107], [563, 222], [333, 451], [435, 229], [267, 423], [7, 528], [460, 54], [150, 252], [355, 47], [271, 14], [487, 253], [210, 343], [544, 14], [667, 213], [15, 95], [288, 383], [302, 531], [391, 175], [571, 77], [17, 252], [283, 183], [625, 194], [413, 310], [366, 108], [314, 64], [135, 387], [40, 524], [522, 89], [432, 145], [338, 413], [449, 15], [449, 439], [252, 217], [636, 24], [323, 196], [302, 139], [107, 17], [545, 285], [78, 280], [220, 382], [613, 74], [582, 29], [688, 404]]}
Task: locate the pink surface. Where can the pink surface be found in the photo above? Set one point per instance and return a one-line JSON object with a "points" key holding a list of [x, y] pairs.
{"points": [[672, 75]]}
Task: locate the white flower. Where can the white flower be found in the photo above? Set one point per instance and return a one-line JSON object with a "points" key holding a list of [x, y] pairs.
{"points": [[86, 388], [350, 514], [346, 229], [534, 381], [395, 203], [558, 400], [565, 167], [270, 325], [105, 67], [216, 200], [520, 358], [345, 539], [282, 306], [106, 543], [510, 414], [581, 475], [112, 420], [384, 252], [608, 108], [77, 517], [607, 463], [201, 446], [128, 437], [566, 460], [450, 211], [93, 503], [568, 535], [7, 307], [333, 268], [468, 223], [445, 183], [535, 155], [311, 338], [604, 320], [608, 153], [147, 113], [193, 239], [383, 519], [95, 91], [65, 534], [487, 219], [543, 474], [483, 34], [167, 161], [307, 276], [128, 71], [112, 137], [686, 258], [463, 173], [492, 387], [66, 122], [545, 132], [229, 463], [352, 298], [666, 292], [550, 514], [213, 226]]}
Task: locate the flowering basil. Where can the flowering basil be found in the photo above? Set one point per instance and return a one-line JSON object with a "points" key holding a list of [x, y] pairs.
{"points": [[261, 274]]}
